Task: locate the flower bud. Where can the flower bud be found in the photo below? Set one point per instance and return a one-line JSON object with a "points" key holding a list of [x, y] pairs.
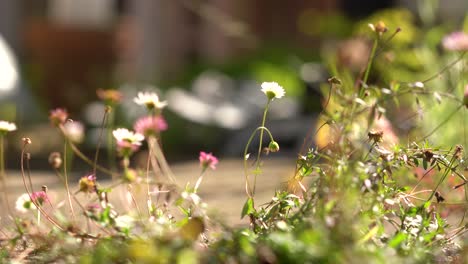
{"points": [[129, 175], [273, 146], [380, 27], [55, 160]]}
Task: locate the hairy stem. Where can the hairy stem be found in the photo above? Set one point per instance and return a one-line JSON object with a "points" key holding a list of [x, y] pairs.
{"points": [[246, 173], [65, 178], [3, 175], [369, 63]]}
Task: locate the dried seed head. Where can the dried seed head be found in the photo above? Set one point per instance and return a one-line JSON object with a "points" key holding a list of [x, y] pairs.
{"points": [[439, 197], [334, 80], [26, 141], [375, 136], [458, 151], [428, 155]]}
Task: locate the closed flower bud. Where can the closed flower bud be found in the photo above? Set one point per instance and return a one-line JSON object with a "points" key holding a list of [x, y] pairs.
{"points": [[55, 160], [129, 175], [380, 27], [273, 146]]}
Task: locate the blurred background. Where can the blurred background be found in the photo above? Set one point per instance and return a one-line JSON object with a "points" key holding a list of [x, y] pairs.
{"points": [[207, 58]]}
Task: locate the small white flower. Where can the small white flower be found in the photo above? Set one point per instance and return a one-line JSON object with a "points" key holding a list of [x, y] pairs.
{"points": [[150, 100], [123, 134], [74, 131], [124, 221], [23, 203], [7, 127], [433, 226], [272, 90], [193, 197]]}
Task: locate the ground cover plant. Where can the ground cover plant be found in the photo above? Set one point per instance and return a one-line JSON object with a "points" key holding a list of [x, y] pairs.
{"points": [[361, 194]]}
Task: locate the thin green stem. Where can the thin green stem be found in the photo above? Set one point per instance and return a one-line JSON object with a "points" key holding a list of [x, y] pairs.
{"points": [[162, 161], [39, 208], [246, 174], [261, 132], [98, 145], [3, 175], [82, 156], [65, 178], [257, 166], [62, 178], [445, 68], [370, 150], [200, 179], [447, 170], [441, 124], [369, 63], [38, 218], [149, 201], [110, 140]]}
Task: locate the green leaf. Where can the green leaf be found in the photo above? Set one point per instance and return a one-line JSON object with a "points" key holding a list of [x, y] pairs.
{"points": [[397, 240], [424, 164], [427, 204], [248, 207], [192, 228]]}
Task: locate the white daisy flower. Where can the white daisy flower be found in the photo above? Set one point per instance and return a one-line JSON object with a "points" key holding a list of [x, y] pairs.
{"points": [[127, 141], [150, 100], [123, 134], [23, 203], [272, 90], [7, 127]]}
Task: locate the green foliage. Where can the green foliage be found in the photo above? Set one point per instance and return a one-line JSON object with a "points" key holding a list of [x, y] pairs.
{"points": [[361, 195], [282, 74]]}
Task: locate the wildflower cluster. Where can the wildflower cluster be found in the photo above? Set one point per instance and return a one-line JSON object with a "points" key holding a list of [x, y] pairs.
{"points": [[357, 192]]}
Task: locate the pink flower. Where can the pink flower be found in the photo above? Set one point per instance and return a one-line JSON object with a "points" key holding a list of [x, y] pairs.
{"points": [[208, 160], [58, 116], [39, 198], [456, 41], [150, 125]]}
